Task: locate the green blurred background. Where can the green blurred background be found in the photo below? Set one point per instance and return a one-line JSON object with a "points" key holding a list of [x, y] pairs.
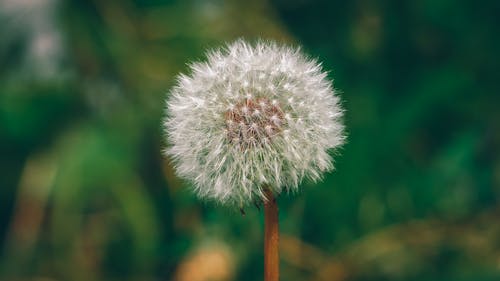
{"points": [[86, 194]]}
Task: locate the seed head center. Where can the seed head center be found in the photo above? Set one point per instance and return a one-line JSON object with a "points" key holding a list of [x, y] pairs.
{"points": [[254, 122]]}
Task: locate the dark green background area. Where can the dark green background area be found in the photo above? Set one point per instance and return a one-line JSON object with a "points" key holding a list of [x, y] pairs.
{"points": [[85, 193]]}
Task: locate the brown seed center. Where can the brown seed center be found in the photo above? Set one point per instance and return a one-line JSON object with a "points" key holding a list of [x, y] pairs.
{"points": [[254, 122]]}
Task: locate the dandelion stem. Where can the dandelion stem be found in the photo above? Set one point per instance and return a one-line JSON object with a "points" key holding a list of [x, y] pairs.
{"points": [[271, 238]]}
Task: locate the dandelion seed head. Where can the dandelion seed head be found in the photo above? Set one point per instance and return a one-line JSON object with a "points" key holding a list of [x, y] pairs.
{"points": [[252, 117]]}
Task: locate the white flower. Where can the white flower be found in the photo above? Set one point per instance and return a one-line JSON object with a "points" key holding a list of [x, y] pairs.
{"points": [[252, 117]]}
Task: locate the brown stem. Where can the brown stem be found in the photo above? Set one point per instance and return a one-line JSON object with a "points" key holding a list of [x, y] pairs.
{"points": [[271, 238]]}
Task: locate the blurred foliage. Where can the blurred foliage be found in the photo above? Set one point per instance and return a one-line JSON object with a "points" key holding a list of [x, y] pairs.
{"points": [[87, 195]]}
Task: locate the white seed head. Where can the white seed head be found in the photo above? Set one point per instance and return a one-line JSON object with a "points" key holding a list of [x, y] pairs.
{"points": [[252, 117]]}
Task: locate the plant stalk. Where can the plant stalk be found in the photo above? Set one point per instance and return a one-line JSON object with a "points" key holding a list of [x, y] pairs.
{"points": [[271, 238]]}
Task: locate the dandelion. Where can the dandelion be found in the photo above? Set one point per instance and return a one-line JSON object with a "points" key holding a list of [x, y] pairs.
{"points": [[251, 122], [252, 118]]}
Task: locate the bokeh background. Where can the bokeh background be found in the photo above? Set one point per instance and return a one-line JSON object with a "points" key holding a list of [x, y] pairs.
{"points": [[86, 194]]}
